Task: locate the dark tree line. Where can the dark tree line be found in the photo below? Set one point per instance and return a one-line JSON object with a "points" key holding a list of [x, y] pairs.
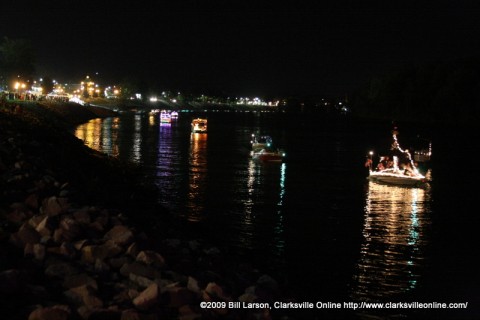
{"points": [[441, 92], [17, 58]]}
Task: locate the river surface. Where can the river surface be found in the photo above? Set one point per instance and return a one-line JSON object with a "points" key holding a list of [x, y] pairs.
{"points": [[314, 218]]}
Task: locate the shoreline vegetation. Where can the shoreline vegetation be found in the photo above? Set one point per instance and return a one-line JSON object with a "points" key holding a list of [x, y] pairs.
{"points": [[76, 242]]}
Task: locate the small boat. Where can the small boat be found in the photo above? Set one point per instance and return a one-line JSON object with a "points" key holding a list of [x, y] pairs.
{"points": [[165, 116], [266, 155], [260, 142], [199, 125], [423, 155], [395, 170]]}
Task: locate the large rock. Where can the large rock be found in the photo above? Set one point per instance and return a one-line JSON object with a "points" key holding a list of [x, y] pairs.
{"points": [[19, 213], [53, 206], [133, 249], [120, 235], [132, 314], [78, 280], [82, 216], [150, 257], [37, 251], [147, 298], [186, 312], [60, 269], [71, 229], [92, 253], [43, 227], [214, 292], [192, 285], [57, 312], [143, 282], [179, 296], [100, 314], [84, 296], [140, 269], [120, 261], [25, 235]]}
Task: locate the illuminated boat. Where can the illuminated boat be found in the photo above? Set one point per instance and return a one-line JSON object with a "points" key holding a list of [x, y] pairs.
{"points": [[398, 177], [199, 125], [266, 155], [423, 155], [395, 171], [260, 142], [174, 115], [165, 116]]}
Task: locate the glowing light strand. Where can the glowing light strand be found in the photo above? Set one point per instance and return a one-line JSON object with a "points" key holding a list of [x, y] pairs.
{"points": [[396, 145]]}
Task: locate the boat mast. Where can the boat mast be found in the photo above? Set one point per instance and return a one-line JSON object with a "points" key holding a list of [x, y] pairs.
{"points": [[396, 146]]}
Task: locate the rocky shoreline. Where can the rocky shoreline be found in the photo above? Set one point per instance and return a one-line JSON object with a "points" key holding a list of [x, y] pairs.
{"points": [[72, 242]]}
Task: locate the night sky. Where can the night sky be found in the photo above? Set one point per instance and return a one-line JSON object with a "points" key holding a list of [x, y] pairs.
{"points": [[241, 47]]}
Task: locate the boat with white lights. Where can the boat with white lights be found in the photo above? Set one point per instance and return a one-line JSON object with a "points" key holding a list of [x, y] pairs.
{"points": [[398, 169], [174, 114], [397, 176], [423, 155], [260, 142], [199, 125], [268, 155]]}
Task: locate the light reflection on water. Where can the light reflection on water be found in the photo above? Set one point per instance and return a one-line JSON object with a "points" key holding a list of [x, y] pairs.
{"points": [[279, 226], [101, 135], [395, 236], [197, 180], [136, 154], [197, 176], [167, 158], [259, 176], [210, 180]]}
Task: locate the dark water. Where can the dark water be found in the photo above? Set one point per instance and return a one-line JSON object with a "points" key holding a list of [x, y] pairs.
{"points": [[315, 219]]}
